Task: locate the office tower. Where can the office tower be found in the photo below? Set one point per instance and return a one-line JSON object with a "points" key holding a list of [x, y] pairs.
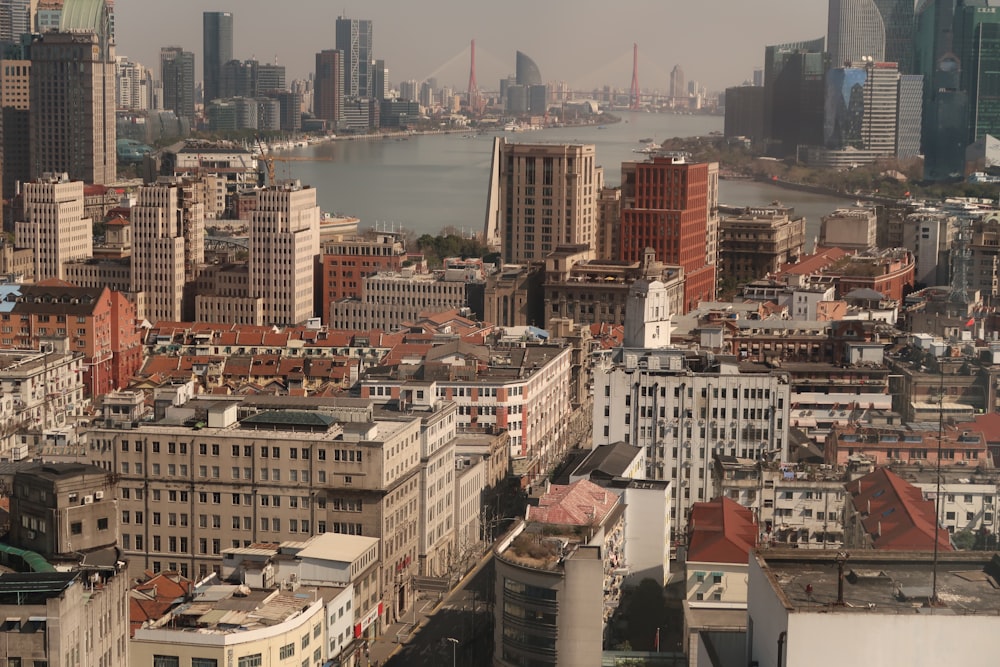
{"points": [[745, 113], [217, 50], [548, 197], [284, 252], [758, 76], [177, 76], [677, 82], [878, 127], [270, 77], [775, 58], [794, 101], [526, 71], [670, 204], [73, 101], [380, 81], [426, 97], [354, 40], [329, 92], [167, 224], [54, 227], [15, 101], [538, 97], [134, 84], [945, 104], [898, 18], [909, 115], [239, 79], [845, 107], [855, 31], [976, 42]]}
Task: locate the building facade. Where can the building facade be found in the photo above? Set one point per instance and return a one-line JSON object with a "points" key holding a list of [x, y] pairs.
{"points": [[755, 242], [55, 229], [177, 78], [329, 86], [354, 41], [217, 50]]}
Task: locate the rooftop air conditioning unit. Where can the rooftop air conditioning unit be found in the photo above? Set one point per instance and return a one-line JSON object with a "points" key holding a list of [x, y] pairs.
{"points": [[98, 495], [88, 500]]}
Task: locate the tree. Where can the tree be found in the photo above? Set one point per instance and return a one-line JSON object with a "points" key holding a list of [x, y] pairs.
{"points": [[964, 540], [645, 613]]}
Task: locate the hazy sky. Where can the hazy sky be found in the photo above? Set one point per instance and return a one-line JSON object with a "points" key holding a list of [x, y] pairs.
{"points": [[583, 42]]}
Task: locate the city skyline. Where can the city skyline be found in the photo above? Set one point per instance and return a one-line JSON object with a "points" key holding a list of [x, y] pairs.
{"points": [[663, 32]]}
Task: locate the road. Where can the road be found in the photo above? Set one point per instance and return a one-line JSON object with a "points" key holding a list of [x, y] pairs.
{"points": [[465, 614]]}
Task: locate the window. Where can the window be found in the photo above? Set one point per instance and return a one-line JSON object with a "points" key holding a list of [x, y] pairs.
{"points": [[102, 523], [249, 661], [204, 662], [76, 528], [166, 661], [716, 578], [286, 651]]}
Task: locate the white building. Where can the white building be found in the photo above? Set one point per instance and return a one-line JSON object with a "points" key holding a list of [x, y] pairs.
{"points": [[56, 228], [134, 85], [851, 228], [682, 411], [389, 299], [883, 617]]}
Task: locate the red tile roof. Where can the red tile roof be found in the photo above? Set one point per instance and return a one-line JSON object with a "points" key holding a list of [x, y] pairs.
{"points": [[721, 531], [895, 514], [581, 503], [809, 264]]}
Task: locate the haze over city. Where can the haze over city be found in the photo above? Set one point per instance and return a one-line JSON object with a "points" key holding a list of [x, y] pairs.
{"points": [[587, 43]]}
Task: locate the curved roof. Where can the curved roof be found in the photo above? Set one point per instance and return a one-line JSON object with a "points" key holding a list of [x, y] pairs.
{"points": [[526, 71], [83, 15]]}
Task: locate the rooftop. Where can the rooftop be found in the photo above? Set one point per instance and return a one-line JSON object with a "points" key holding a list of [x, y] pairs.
{"points": [[722, 531], [885, 583], [338, 547]]}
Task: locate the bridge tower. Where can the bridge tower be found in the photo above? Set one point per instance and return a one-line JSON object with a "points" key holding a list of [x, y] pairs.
{"points": [[633, 95], [475, 102]]}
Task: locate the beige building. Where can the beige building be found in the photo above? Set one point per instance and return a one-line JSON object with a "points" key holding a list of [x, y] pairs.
{"points": [[757, 241], [209, 475], [548, 196], [389, 299], [15, 100], [55, 226], [284, 252], [73, 99], [168, 229], [849, 228]]}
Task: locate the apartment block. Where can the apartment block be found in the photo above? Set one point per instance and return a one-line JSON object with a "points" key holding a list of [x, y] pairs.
{"points": [[390, 299], [347, 261], [55, 227], [755, 242], [209, 475]]}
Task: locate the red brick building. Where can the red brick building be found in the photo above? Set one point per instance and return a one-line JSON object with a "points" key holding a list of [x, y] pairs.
{"points": [[346, 262], [667, 206], [95, 322]]}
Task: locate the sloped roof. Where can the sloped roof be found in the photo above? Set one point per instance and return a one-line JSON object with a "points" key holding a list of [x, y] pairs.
{"points": [[721, 531], [895, 514], [612, 460], [581, 503]]}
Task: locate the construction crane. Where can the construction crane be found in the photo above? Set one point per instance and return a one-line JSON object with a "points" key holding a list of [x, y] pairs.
{"points": [[269, 160]]}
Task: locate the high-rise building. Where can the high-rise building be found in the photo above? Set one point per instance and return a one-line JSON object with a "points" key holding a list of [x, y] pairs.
{"points": [[354, 40], [408, 90], [168, 224], [909, 112], [284, 252], [217, 36], [677, 89], [855, 32], [17, 17], [380, 81], [15, 102], [805, 79], [270, 77], [134, 84], [177, 76], [526, 71], [898, 17], [976, 42], [670, 204], [945, 105], [548, 197], [55, 226], [329, 93], [73, 101]]}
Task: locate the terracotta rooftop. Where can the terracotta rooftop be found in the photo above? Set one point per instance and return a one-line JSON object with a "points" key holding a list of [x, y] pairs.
{"points": [[721, 531], [582, 503], [895, 514]]}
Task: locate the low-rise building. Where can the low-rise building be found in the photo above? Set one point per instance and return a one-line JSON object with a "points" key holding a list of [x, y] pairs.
{"points": [[887, 513], [389, 299], [756, 241]]}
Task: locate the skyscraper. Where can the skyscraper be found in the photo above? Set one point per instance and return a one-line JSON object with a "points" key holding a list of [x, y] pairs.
{"points": [[855, 31], [898, 18], [217, 36], [945, 105], [526, 71], [354, 40], [177, 76], [16, 18], [976, 41], [329, 87], [677, 89], [380, 81], [73, 99], [15, 128]]}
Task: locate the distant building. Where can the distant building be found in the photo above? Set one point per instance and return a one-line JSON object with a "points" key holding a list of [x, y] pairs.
{"points": [[849, 228], [217, 50], [329, 82], [745, 113], [794, 75], [354, 40], [177, 75], [15, 101], [526, 71], [679, 220], [56, 229], [348, 261], [755, 242]]}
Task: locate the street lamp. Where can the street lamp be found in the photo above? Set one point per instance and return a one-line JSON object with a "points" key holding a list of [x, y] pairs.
{"points": [[454, 646]]}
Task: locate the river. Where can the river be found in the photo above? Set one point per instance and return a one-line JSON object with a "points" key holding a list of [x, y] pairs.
{"points": [[427, 182]]}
